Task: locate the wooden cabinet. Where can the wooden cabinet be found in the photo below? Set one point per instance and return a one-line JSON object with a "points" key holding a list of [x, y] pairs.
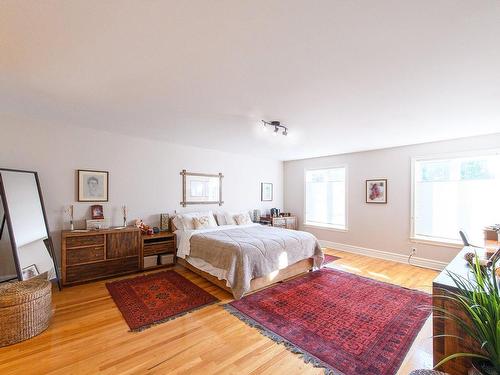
{"points": [[287, 222], [450, 337], [162, 246], [93, 255]]}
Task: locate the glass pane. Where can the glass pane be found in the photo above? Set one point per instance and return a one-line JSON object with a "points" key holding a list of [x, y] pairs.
{"points": [[457, 194], [325, 197]]}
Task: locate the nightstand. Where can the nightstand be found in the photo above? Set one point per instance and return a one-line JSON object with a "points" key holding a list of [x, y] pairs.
{"points": [[158, 250]]}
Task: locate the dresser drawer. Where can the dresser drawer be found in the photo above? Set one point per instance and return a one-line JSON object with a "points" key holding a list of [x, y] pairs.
{"points": [[84, 255], [279, 222], [159, 247], [100, 270], [85, 241]]}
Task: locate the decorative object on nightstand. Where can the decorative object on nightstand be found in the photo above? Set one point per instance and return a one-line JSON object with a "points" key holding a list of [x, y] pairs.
{"points": [[164, 222], [25, 309], [158, 250], [256, 216]]}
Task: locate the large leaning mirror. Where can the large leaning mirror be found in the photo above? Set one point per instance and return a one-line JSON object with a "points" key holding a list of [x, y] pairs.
{"points": [[201, 188], [24, 221]]}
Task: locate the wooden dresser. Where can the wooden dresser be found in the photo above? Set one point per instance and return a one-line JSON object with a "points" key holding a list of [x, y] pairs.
{"points": [[93, 255], [444, 346]]}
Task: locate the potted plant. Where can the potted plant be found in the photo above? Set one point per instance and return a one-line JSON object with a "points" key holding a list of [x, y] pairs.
{"points": [[479, 298]]}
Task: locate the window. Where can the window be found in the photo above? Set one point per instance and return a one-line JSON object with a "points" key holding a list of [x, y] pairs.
{"points": [[456, 193], [325, 197]]}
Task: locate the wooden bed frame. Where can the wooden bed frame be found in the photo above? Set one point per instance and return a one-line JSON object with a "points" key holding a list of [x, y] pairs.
{"points": [[258, 283]]}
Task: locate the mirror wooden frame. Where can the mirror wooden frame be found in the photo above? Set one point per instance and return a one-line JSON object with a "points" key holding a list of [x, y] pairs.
{"points": [[185, 202]]}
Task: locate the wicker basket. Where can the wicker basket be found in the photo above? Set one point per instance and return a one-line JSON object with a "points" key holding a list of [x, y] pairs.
{"points": [[25, 309]]}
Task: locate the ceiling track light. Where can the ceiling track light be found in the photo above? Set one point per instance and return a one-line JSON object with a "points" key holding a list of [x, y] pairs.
{"points": [[277, 127]]}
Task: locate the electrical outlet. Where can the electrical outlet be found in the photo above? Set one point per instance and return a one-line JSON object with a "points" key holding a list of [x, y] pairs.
{"points": [[413, 250]]}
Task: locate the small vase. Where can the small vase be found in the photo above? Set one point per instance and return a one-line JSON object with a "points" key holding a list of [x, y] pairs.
{"points": [[71, 226], [124, 221]]}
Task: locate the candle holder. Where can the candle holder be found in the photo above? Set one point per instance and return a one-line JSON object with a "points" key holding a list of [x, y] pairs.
{"points": [[69, 211], [124, 210]]}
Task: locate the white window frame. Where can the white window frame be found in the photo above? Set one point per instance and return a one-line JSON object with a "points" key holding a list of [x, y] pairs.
{"points": [[334, 228], [430, 240]]}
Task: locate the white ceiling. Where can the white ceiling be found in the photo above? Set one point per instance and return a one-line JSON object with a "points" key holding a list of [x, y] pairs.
{"points": [[343, 75]]}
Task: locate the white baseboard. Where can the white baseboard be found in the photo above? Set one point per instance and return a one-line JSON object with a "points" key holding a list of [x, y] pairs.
{"points": [[400, 258]]}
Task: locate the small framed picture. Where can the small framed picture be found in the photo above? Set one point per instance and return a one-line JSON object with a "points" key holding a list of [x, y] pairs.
{"points": [[30, 272], [97, 211], [266, 191], [93, 186], [164, 222], [376, 191]]}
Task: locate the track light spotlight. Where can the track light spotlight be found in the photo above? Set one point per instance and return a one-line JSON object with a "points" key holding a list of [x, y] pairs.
{"points": [[277, 126]]}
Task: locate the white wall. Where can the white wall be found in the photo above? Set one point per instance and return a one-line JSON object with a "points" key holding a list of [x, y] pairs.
{"points": [[144, 174], [378, 226]]}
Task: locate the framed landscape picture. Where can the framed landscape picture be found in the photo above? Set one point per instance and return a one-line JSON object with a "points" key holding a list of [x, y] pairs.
{"points": [[376, 191], [266, 191], [93, 186]]}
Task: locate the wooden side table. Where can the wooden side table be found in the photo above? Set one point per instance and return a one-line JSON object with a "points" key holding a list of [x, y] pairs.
{"points": [[159, 244], [288, 222]]}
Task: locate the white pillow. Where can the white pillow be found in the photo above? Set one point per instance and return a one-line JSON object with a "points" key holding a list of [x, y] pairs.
{"points": [[221, 218], [243, 218], [203, 222], [230, 218], [177, 220]]}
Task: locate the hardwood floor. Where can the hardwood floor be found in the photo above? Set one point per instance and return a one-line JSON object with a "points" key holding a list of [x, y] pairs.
{"points": [[88, 334]]}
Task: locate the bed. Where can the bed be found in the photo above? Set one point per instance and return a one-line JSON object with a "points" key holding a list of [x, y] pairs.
{"points": [[244, 258]]}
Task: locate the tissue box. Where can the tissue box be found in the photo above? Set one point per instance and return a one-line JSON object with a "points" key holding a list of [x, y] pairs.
{"points": [[150, 261], [167, 259]]}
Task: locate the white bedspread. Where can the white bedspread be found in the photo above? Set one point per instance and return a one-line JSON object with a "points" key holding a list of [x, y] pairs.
{"points": [[183, 237]]}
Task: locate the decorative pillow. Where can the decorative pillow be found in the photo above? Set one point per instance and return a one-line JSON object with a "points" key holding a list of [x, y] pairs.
{"points": [[242, 219], [221, 218], [202, 222], [187, 219]]}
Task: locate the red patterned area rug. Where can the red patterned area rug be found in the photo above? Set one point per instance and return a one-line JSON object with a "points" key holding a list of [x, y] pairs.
{"points": [[346, 323], [156, 298]]}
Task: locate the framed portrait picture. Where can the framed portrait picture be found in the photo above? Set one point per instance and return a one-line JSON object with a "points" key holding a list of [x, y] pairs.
{"points": [[266, 191], [376, 191], [30, 272], [93, 186]]}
